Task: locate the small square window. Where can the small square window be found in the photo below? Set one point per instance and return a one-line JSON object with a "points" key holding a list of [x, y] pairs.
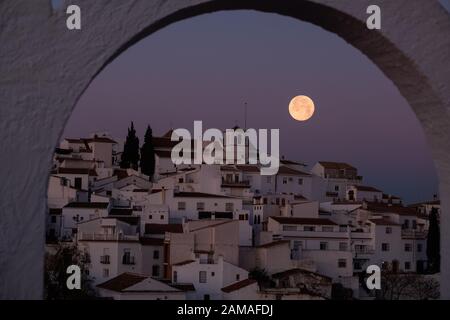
{"points": [[342, 263], [181, 206]]}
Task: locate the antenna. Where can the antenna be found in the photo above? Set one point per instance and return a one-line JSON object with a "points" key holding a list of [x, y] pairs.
{"points": [[245, 115]]}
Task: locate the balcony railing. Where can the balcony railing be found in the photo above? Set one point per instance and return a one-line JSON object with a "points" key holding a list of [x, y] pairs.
{"points": [[365, 250], [242, 183], [104, 259], [128, 260], [413, 233], [106, 237]]}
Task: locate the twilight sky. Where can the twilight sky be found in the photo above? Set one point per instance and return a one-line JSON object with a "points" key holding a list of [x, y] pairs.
{"points": [[206, 67]]}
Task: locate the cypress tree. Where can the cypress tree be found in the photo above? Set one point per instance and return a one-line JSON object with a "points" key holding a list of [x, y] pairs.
{"points": [[148, 155], [433, 242], [130, 155]]}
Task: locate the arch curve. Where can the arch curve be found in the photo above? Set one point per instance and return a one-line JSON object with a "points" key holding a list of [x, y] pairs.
{"points": [[44, 82]]}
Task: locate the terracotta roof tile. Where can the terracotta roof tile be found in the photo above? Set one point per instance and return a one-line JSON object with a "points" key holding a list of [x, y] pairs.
{"points": [[238, 285]]}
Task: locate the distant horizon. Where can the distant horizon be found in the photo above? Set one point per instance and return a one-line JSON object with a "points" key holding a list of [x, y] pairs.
{"points": [[206, 68]]}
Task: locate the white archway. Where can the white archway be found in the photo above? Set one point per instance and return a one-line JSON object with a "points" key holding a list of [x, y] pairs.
{"points": [[46, 68]]}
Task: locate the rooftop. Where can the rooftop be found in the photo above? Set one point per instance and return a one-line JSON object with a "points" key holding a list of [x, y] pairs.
{"points": [[238, 285], [87, 205], [90, 172], [198, 195], [366, 188], [154, 228], [303, 221], [336, 165], [274, 244], [294, 271], [122, 281]]}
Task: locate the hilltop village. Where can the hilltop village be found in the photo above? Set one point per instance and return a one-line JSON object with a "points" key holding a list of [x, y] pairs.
{"points": [[214, 231]]}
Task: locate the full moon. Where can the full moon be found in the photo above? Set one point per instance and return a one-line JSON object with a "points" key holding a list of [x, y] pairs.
{"points": [[301, 108]]}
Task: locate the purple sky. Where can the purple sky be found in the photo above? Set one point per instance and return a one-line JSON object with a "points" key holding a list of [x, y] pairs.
{"points": [[206, 67]]}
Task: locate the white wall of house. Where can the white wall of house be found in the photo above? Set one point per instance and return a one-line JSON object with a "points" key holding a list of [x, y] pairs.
{"points": [[209, 279], [102, 151], [59, 192]]}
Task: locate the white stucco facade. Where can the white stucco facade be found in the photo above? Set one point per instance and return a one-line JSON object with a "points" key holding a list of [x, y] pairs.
{"points": [[45, 69]]}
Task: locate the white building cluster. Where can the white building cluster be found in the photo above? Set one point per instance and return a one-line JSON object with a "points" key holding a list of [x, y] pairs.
{"points": [[226, 231]]}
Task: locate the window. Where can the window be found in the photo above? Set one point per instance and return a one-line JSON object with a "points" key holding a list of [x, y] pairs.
{"points": [[336, 188], [388, 230], [290, 179], [156, 254], [407, 265], [162, 217], [284, 180], [213, 274], [300, 181], [343, 246], [323, 245], [419, 247], [408, 247], [309, 228], [342, 263], [181, 206], [202, 277], [200, 206], [406, 224], [175, 277], [150, 217], [289, 228], [53, 219], [105, 273], [327, 229], [238, 277], [385, 247], [78, 183], [155, 271], [342, 228], [414, 224], [229, 206], [351, 195], [264, 200], [180, 180]]}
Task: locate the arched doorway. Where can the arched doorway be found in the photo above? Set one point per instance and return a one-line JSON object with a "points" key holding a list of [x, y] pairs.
{"points": [[44, 82]]}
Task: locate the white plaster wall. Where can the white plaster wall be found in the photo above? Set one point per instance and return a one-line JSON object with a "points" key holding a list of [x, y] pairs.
{"points": [[45, 69]]}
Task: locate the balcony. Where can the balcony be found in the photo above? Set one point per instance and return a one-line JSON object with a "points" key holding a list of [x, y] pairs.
{"points": [[128, 260], [364, 250], [235, 184], [411, 233], [105, 259], [106, 237]]}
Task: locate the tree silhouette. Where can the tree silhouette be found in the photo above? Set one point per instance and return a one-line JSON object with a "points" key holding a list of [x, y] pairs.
{"points": [[433, 242], [130, 155], [148, 155]]}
